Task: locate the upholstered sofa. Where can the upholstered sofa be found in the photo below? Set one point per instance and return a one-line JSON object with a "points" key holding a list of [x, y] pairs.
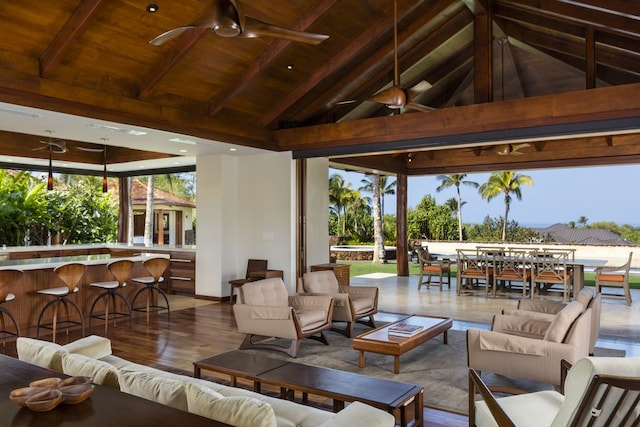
{"points": [[91, 356]]}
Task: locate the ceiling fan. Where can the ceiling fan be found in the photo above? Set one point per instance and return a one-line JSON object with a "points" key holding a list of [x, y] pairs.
{"points": [[226, 18], [504, 149], [53, 145], [395, 96]]}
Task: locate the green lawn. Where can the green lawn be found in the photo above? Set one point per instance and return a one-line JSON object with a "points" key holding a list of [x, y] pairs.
{"points": [[359, 268]]}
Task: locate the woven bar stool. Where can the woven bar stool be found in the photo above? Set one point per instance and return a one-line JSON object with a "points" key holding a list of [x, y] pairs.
{"points": [[120, 270], [7, 277], [156, 268], [70, 274]]}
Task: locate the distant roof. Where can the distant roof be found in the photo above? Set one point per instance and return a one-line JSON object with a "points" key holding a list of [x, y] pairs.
{"points": [[160, 197], [562, 233]]}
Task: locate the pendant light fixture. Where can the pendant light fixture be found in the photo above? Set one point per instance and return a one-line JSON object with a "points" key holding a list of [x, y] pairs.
{"points": [[104, 165], [50, 177]]}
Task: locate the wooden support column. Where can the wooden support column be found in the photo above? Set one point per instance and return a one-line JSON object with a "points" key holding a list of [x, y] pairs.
{"points": [[125, 207], [402, 243], [301, 215], [483, 51], [590, 55]]}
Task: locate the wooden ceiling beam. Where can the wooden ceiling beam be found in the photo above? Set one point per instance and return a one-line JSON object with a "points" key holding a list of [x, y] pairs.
{"points": [[21, 89], [536, 117], [601, 54], [166, 63], [82, 17], [570, 11], [265, 59], [483, 56]]}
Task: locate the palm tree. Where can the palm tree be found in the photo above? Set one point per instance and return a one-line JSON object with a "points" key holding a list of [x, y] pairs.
{"points": [[378, 186], [507, 183], [447, 181], [583, 221], [338, 197]]}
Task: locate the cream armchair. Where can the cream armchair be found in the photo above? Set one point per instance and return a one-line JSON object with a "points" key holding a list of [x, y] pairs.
{"points": [[547, 310], [531, 349], [350, 303], [264, 309], [598, 391]]}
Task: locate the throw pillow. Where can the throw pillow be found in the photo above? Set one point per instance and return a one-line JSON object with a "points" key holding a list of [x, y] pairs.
{"points": [[240, 411]]}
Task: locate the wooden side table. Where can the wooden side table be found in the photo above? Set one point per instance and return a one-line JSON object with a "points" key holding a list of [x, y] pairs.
{"points": [[340, 270]]}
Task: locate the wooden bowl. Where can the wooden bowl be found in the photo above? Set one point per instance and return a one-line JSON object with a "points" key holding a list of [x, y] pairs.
{"points": [[76, 381], [76, 393], [19, 396], [45, 400], [52, 382]]}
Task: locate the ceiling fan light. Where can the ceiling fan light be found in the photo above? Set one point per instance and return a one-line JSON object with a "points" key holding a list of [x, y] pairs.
{"points": [[230, 30]]}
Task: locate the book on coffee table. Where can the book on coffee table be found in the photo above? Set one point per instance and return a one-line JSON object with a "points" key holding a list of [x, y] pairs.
{"points": [[404, 329]]}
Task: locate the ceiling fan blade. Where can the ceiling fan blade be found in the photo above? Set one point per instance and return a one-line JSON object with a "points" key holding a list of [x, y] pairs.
{"points": [[91, 150], [515, 148], [347, 101], [392, 97], [256, 28], [419, 107], [57, 146], [225, 18], [171, 34]]}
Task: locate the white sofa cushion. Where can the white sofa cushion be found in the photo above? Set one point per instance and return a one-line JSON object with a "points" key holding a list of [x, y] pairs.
{"points": [[359, 414], [42, 353], [239, 411], [157, 388], [92, 346], [102, 372]]}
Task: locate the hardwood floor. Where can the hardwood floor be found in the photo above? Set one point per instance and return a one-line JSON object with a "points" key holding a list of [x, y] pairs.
{"points": [[197, 329]]}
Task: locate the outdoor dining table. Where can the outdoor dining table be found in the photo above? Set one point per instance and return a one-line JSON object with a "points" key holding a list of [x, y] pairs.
{"points": [[577, 265]]}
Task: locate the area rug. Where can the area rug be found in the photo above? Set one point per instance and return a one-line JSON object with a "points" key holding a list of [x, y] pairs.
{"points": [[440, 369]]}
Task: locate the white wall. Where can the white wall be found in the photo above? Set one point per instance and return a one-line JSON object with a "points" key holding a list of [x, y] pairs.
{"points": [[246, 209], [317, 211]]}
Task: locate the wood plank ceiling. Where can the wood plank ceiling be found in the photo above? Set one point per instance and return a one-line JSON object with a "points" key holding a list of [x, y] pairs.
{"points": [[511, 84]]}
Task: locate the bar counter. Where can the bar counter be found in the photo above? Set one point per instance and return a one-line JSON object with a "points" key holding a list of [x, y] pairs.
{"points": [[39, 274]]}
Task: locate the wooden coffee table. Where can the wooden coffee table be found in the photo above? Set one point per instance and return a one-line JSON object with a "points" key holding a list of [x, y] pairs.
{"points": [[395, 397], [379, 341]]}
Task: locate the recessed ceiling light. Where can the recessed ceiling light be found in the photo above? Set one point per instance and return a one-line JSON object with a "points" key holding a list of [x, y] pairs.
{"points": [[110, 128], [183, 151], [183, 141], [289, 66], [20, 113], [232, 149], [152, 8]]}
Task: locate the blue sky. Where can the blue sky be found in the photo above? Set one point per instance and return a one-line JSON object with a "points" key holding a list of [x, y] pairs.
{"points": [[608, 193]]}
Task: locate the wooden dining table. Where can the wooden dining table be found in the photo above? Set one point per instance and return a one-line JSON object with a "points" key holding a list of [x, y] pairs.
{"points": [[106, 407], [576, 264]]}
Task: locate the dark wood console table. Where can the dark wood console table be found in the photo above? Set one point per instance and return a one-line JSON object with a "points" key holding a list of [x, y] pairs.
{"points": [[106, 407]]}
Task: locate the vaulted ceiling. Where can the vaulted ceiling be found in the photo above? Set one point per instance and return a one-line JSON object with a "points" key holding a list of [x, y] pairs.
{"points": [[503, 84]]}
